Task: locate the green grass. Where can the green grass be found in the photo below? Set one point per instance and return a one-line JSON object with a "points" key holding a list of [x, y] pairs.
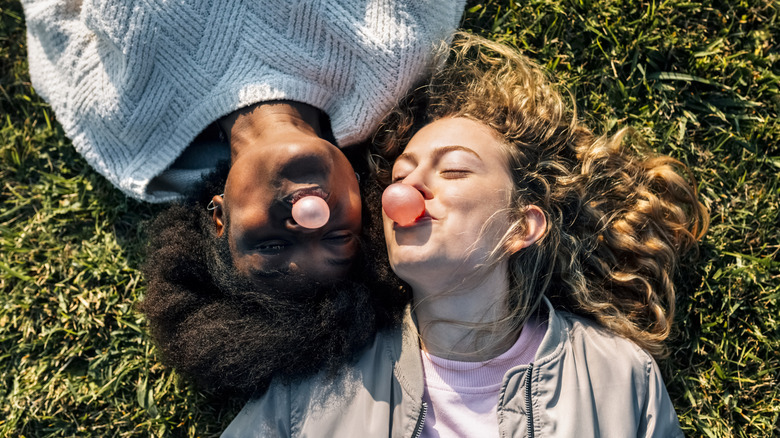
{"points": [[698, 80]]}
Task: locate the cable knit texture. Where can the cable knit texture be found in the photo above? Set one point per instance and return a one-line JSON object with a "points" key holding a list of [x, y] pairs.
{"points": [[133, 82]]}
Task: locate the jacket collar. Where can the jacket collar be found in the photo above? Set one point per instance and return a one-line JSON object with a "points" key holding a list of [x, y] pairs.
{"points": [[406, 352], [555, 336], [406, 349]]}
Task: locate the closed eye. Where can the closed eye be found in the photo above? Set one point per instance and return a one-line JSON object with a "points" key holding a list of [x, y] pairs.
{"points": [[455, 173], [339, 237]]}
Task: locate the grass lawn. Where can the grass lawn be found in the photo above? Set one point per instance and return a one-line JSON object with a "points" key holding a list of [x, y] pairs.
{"points": [[700, 81]]}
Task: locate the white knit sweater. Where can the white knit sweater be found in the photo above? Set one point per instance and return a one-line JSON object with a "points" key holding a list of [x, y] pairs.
{"points": [[133, 82]]}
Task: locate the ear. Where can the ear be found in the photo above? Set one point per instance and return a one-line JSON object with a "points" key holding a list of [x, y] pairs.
{"points": [[218, 214], [535, 226]]}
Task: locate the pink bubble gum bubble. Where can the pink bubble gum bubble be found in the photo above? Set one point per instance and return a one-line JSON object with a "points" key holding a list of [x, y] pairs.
{"points": [[403, 203], [311, 212]]}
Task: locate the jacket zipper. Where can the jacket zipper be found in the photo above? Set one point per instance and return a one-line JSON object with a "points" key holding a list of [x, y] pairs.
{"points": [[529, 409], [420, 421]]}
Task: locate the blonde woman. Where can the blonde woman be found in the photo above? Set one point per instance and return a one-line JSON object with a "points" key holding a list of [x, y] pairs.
{"points": [[540, 273]]}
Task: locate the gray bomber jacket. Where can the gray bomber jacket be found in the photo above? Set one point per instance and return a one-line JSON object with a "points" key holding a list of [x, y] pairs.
{"points": [[584, 382]]}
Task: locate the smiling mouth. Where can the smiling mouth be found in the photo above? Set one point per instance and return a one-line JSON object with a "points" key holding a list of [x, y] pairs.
{"points": [[293, 197]]}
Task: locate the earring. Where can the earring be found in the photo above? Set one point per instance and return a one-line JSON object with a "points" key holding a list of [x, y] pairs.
{"points": [[211, 205], [357, 175]]}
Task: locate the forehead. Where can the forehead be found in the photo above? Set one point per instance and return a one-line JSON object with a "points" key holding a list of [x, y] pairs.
{"points": [[458, 131]]}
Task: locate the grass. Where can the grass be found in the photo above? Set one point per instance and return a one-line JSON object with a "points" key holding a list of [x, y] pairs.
{"points": [[699, 81]]}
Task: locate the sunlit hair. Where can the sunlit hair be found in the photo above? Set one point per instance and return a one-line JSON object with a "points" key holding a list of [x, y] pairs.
{"points": [[618, 219]]}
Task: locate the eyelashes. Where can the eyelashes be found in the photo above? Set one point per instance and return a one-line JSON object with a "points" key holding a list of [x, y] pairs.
{"points": [[339, 237], [445, 173], [455, 173]]}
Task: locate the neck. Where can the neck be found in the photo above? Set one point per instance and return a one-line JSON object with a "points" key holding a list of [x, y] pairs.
{"points": [[461, 322], [251, 126]]}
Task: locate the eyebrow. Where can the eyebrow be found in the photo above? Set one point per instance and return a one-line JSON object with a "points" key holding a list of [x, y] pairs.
{"points": [[340, 262], [438, 153], [271, 273], [278, 273]]}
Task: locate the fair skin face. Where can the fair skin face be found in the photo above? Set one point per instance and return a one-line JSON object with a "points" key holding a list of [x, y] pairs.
{"points": [[461, 170], [277, 156]]}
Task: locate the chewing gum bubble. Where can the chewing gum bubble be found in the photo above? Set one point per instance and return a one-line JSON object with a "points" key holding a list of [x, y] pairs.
{"points": [[403, 203], [311, 212]]}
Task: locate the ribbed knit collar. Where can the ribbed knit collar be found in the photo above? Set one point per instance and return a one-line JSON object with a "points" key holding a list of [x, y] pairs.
{"points": [[484, 376]]}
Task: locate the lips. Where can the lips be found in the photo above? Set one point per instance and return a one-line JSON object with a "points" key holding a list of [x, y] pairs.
{"points": [[426, 217], [293, 197]]}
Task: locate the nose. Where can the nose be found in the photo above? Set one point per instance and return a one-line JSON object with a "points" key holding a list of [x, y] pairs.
{"points": [[291, 225], [417, 180]]}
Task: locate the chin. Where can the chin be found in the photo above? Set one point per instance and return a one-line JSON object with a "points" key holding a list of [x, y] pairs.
{"points": [[415, 266]]}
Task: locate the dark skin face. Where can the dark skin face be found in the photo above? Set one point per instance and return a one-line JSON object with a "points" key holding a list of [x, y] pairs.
{"points": [[277, 155]]}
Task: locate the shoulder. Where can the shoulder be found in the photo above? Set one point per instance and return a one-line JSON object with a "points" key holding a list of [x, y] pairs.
{"points": [[375, 358], [598, 342], [589, 351], [604, 378], [318, 403]]}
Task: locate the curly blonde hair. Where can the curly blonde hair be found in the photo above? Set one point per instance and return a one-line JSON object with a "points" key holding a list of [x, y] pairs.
{"points": [[618, 220]]}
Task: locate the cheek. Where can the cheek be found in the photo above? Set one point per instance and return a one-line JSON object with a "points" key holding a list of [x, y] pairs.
{"points": [[387, 225], [355, 211], [390, 238], [482, 219], [475, 205]]}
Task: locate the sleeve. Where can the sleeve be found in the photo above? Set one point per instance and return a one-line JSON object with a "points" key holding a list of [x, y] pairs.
{"points": [[268, 416], [133, 83], [659, 419]]}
